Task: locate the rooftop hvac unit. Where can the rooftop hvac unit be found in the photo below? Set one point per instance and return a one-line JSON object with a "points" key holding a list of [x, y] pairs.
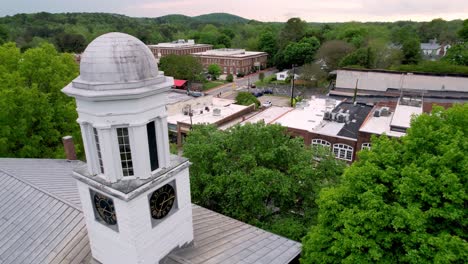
{"points": [[346, 117], [377, 113], [327, 116], [216, 112], [333, 116], [340, 118], [385, 111]]}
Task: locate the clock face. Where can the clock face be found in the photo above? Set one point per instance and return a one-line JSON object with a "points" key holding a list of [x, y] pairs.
{"points": [[105, 208], [161, 201]]}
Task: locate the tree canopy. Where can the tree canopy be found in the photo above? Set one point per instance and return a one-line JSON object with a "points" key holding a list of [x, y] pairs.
{"points": [[182, 67], [35, 114], [246, 98], [404, 201], [258, 174]]}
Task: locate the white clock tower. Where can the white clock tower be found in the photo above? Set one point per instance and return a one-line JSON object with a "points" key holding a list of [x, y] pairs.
{"points": [[135, 195]]}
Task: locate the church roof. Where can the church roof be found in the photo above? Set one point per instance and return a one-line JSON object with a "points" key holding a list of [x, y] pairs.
{"points": [[41, 222]]}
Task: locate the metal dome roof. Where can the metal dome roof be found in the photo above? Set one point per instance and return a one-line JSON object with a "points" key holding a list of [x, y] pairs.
{"points": [[117, 58]]}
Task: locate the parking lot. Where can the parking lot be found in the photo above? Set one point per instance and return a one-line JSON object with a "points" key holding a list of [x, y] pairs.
{"points": [[275, 100]]}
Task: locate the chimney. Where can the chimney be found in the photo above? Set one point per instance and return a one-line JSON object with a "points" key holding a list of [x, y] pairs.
{"points": [[69, 147]]}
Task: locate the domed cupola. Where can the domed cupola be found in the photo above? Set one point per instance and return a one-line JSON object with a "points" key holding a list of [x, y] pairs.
{"points": [[117, 64], [120, 97]]}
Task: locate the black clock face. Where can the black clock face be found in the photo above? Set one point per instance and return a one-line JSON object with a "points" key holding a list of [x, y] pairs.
{"points": [[105, 208], [161, 201]]}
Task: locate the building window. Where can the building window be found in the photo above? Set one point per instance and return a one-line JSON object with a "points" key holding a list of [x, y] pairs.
{"points": [[343, 152], [125, 151], [366, 146], [321, 142], [152, 146], [98, 150]]}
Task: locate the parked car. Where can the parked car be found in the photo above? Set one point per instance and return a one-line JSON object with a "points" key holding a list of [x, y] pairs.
{"points": [[266, 104], [257, 93], [195, 93], [268, 91]]}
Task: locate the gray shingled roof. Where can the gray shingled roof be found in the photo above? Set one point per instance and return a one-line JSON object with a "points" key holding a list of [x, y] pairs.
{"points": [[37, 227], [52, 175], [220, 239], [41, 222]]}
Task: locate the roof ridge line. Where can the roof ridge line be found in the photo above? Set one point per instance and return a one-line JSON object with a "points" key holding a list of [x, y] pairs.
{"points": [[42, 190]]}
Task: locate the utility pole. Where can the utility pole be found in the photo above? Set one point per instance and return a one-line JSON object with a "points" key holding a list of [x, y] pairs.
{"points": [[355, 91], [292, 87]]}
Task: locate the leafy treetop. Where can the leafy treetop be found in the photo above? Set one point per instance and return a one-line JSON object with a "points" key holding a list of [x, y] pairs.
{"points": [[402, 202]]}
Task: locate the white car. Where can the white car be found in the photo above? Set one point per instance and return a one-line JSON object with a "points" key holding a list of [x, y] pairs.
{"points": [[266, 104]]}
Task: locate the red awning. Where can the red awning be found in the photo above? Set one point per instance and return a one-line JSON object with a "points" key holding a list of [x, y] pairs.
{"points": [[179, 83]]}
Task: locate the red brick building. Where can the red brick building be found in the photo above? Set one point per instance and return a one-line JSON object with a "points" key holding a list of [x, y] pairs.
{"points": [[179, 47], [233, 61]]}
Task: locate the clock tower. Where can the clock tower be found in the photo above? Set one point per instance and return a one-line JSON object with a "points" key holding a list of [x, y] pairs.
{"points": [[135, 195]]}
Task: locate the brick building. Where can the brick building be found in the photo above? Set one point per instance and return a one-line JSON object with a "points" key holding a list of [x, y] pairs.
{"points": [[233, 61], [179, 47], [329, 123]]}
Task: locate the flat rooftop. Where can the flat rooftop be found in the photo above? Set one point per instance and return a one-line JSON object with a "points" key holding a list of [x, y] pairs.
{"points": [[202, 116], [311, 117], [380, 125], [234, 53], [268, 115], [403, 114], [178, 44]]}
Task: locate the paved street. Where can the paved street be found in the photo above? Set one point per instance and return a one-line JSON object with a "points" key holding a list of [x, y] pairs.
{"points": [[239, 82]]}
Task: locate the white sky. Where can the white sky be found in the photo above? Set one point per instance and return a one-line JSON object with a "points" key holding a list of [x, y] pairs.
{"points": [[263, 10]]}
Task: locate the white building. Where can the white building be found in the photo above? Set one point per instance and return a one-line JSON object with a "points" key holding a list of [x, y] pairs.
{"points": [[392, 83]]}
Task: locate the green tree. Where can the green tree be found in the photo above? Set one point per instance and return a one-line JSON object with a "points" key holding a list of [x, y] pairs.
{"points": [[463, 33], [332, 52], [261, 76], [404, 201], [214, 70], [268, 44], [457, 54], [3, 34], [257, 174], [301, 52], [35, 114], [293, 31], [312, 71], [182, 67], [230, 78], [411, 51], [75, 43], [364, 57], [246, 98]]}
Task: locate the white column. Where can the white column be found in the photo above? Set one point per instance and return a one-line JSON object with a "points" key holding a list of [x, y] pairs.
{"points": [[140, 152], [88, 143], [162, 136], [110, 154]]}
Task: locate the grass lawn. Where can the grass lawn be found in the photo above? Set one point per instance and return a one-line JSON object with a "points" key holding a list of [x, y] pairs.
{"points": [[212, 84]]}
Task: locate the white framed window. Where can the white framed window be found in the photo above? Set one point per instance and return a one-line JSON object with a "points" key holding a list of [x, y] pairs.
{"points": [[321, 142], [98, 150], [125, 151], [343, 151], [366, 146]]}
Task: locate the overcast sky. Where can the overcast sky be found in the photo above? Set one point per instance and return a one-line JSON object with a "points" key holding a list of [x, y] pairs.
{"points": [[263, 10]]}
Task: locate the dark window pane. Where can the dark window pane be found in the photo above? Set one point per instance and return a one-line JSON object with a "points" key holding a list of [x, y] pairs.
{"points": [[152, 146]]}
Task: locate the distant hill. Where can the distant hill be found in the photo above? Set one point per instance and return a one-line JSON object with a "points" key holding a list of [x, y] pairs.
{"points": [[221, 18], [174, 19]]}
